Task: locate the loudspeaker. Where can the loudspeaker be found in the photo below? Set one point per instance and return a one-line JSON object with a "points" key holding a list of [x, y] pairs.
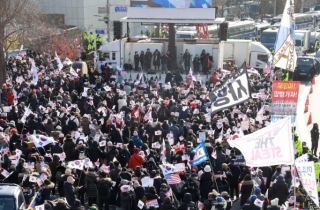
{"points": [[117, 29], [223, 32]]}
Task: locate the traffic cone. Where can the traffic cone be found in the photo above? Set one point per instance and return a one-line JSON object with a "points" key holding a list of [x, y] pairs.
{"points": [[306, 108], [310, 119], [311, 89], [307, 101], [313, 81]]}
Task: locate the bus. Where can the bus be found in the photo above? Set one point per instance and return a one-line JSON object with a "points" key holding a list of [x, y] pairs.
{"points": [[236, 30], [302, 21], [268, 38], [260, 27]]}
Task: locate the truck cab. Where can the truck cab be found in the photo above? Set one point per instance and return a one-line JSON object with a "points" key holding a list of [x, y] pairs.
{"points": [[299, 43]]}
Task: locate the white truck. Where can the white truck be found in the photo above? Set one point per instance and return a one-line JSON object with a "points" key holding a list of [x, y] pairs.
{"points": [[302, 38], [254, 53]]}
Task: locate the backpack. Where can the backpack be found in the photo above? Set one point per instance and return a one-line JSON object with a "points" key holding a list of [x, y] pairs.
{"points": [[58, 176], [72, 125], [103, 188]]}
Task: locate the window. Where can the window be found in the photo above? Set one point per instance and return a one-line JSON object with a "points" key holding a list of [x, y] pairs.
{"points": [[263, 58], [7, 203], [305, 61], [113, 56], [298, 43], [20, 200]]}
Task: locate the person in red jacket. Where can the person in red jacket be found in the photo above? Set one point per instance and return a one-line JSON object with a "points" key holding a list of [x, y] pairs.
{"points": [[135, 159], [10, 97]]}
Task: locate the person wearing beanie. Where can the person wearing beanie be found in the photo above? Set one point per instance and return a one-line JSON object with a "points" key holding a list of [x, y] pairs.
{"points": [[136, 140], [274, 204], [62, 180], [220, 203], [206, 182], [279, 190], [226, 197], [257, 192], [250, 204], [135, 160], [70, 191]]}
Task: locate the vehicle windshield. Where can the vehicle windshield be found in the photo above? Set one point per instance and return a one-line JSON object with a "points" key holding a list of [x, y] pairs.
{"points": [[312, 38], [318, 54], [305, 61], [267, 37], [298, 43], [7, 203]]}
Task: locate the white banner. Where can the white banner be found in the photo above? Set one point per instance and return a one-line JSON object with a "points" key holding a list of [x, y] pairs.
{"points": [[234, 91], [307, 175], [285, 57], [265, 147]]}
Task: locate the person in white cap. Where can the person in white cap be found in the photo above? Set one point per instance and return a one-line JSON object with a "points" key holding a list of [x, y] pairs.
{"points": [[274, 204], [206, 182]]}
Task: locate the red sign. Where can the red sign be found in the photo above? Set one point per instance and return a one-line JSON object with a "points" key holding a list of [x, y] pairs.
{"points": [[285, 97]]}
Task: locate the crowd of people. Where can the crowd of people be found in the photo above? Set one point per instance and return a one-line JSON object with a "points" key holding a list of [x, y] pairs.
{"points": [[110, 136], [163, 62]]}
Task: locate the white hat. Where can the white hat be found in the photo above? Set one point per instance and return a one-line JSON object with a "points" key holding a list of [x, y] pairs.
{"points": [[135, 133], [109, 144], [61, 135], [207, 168], [59, 128], [274, 202]]}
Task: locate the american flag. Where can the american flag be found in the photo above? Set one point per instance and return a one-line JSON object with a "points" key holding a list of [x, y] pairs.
{"points": [[173, 178]]}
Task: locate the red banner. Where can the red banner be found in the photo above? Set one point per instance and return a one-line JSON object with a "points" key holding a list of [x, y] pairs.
{"points": [[285, 97]]}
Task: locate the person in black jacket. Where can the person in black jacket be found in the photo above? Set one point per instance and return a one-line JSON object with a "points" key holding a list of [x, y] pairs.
{"points": [[235, 170], [104, 191], [279, 190], [70, 191], [187, 203], [314, 138], [95, 153]]}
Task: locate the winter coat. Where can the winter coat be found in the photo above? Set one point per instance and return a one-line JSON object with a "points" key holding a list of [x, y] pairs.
{"points": [[137, 141], [49, 128], [250, 206], [85, 125], [68, 148], [246, 191], [53, 167], [135, 160], [94, 153], [205, 184], [279, 190], [46, 192], [221, 158], [106, 193], [126, 200], [167, 205], [91, 182], [61, 206], [69, 192], [56, 149]]}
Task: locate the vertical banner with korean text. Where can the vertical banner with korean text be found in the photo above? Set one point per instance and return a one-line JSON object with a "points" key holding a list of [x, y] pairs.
{"points": [[307, 175], [284, 99]]}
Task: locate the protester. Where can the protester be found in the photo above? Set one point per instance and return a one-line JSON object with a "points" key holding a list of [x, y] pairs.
{"points": [[102, 141]]}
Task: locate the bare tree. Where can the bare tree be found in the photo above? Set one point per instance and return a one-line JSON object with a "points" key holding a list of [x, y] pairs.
{"points": [[265, 7], [17, 18], [220, 4]]}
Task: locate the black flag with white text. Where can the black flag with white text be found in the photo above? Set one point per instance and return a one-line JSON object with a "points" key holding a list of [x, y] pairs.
{"points": [[234, 91]]}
